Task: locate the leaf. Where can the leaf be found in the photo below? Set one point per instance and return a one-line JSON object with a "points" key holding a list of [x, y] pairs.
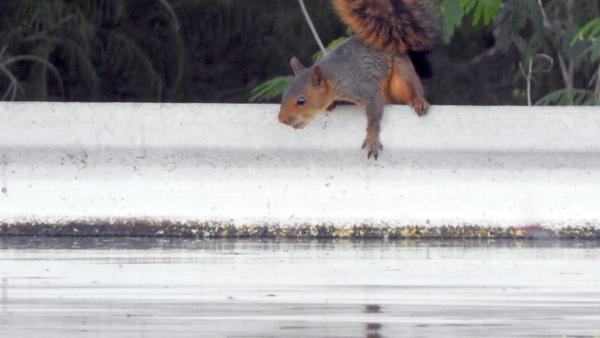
{"points": [[594, 79], [513, 26], [126, 57], [592, 29], [468, 5], [486, 10], [270, 88], [575, 52], [451, 13], [33, 58], [593, 51], [520, 43], [566, 97]]}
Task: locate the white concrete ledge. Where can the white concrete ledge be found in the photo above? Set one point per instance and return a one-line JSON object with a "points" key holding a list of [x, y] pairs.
{"points": [[490, 166]]}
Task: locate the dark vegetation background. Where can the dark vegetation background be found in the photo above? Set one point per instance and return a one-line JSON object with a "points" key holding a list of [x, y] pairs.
{"points": [[218, 50]]}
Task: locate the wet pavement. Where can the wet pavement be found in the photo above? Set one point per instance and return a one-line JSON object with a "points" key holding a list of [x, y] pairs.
{"points": [[148, 287]]}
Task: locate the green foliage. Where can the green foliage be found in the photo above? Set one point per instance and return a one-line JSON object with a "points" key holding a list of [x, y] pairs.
{"points": [[592, 29], [152, 50], [218, 50], [452, 14], [520, 23], [103, 49], [564, 30], [15, 87], [590, 32], [237, 45], [270, 88], [566, 97], [453, 11], [485, 10]]}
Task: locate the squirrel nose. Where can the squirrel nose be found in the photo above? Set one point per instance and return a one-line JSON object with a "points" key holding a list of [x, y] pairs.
{"points": [[284, 119], [291, 120]]}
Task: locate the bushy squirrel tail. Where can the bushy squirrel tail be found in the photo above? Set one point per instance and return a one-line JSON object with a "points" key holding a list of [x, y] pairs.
{"points": [[393, 25]]}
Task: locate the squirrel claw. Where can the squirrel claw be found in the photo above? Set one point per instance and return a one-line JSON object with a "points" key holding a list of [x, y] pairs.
{"points": [[374, 147], [420, 106]]}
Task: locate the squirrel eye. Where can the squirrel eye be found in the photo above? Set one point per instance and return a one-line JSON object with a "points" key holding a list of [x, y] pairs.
{"points": [[302, 100]]}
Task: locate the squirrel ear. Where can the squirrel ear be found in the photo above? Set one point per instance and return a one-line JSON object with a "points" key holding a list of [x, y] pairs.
{"points": [[297, 66], [317, 78]]}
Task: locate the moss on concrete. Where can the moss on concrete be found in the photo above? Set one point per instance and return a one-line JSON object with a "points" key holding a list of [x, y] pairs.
{"points": [[142, 228]]}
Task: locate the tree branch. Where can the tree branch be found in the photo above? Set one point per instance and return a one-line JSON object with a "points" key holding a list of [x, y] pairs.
{"points": [[488, 53], [44, 34], [34, 58], [597, 92], [171, 13], [312, 27], [14, 83]]}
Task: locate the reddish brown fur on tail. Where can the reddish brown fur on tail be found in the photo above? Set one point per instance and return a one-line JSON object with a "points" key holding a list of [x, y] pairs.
{"points": [[394, 25]]}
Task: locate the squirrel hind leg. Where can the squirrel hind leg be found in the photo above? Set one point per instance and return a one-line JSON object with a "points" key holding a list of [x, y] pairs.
{"points": [[405, 85]]}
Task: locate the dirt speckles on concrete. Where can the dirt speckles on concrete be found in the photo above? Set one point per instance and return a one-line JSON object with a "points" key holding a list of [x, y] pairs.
{"points": [[144, 228]]}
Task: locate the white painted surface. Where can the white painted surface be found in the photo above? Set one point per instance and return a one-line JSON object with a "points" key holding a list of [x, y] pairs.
{"points": [[481, 165]]}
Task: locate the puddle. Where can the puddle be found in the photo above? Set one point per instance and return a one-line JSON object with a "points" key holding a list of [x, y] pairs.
{"points": [[147, 287]]}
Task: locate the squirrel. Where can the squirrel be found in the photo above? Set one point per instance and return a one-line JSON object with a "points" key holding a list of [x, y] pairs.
{"points": [[369, 69]]}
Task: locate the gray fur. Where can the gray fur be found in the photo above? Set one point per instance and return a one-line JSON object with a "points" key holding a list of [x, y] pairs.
{"points": [[350, 60]]}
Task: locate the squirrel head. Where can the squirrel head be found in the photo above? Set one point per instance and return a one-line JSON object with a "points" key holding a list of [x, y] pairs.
{"points": [[310, 93]]}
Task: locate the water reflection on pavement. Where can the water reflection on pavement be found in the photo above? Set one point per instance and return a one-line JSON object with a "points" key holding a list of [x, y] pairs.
{"points": [[146, 287]]}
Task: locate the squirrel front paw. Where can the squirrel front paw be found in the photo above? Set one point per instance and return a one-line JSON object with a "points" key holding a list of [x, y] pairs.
{"points": [[373, 145]]}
